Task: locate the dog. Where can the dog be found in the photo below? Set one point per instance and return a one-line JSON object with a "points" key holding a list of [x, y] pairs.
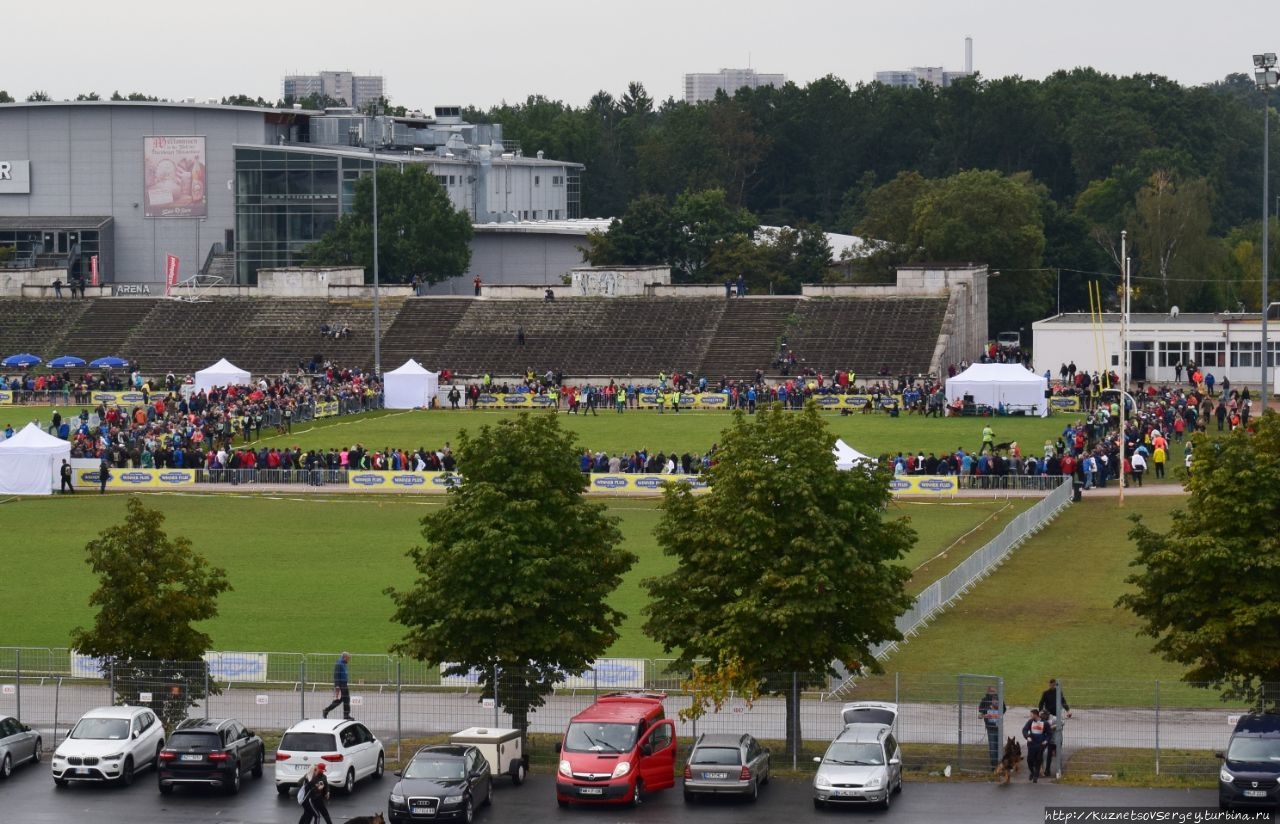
{"points": [[1010, 760], [1001, 447], [376, 818]]}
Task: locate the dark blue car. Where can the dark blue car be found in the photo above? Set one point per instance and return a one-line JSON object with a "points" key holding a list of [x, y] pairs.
{"points": [[1250, 773]]}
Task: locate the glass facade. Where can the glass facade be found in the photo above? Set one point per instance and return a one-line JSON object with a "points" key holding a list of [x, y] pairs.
{"points": [[57, 246], [285, 201]]}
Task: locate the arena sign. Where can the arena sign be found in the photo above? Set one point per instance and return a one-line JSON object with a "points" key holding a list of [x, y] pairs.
{"points": [[15, 177]]}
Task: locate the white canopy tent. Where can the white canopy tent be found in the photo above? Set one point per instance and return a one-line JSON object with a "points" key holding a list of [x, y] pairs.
{"points": [[222, 373], [410, 387], [996, 384], [29, 462], [847, 457]]}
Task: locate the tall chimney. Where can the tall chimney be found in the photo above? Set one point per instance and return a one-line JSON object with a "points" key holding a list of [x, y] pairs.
{"points": [[968, 55]]}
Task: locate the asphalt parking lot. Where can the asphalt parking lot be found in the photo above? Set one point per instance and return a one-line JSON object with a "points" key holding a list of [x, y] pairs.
{"points": [[30, 797]]}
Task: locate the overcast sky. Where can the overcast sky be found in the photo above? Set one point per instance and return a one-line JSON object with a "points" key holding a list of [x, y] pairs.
{"points": [[481, 54]]}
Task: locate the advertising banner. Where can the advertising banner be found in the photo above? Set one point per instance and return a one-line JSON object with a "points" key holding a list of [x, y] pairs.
{"points": [[622, 484], [128, 398], [170, 272], [382, 480], [174, 177], [15, 177], [93, 270], [614, 673], [1069, 403], [6, 396], [326, 409], [86, 474], [237, 666], [937, 485]]}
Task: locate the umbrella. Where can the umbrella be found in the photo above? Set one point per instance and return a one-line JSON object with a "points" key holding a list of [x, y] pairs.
{"points": [[22, 360], [65, 361], [109, 363]]}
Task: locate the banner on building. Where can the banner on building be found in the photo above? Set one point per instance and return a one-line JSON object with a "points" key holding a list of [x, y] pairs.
{"points": [[174, 177], [93, 270], [170, 272]]}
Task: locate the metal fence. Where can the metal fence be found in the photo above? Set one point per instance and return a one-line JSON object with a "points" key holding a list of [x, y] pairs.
{"points": [[1114, 727]]}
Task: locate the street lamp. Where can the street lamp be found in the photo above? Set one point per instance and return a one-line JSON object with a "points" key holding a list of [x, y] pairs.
{"points": [[1265, 74], [377, 320]]}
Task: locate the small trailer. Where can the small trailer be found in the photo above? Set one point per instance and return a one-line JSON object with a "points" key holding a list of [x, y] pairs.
{"points": [[502, 748]]}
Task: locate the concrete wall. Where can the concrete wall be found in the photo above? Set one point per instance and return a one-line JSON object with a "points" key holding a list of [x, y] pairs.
{"points": [[305, 283], [617, 281]]}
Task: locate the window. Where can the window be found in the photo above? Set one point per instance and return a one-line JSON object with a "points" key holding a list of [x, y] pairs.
{"points": [[1246, 353], [661, 738], [1173, 353], [557, 180], [1210, 353], [537, 180]]}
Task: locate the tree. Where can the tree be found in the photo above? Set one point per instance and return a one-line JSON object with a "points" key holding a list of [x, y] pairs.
{"points": [[151, 591], [1171, 230], [786, 565], [1205, 589], [88, 96], [419, 231], [5, 97], [39, 96], [517, 568]]}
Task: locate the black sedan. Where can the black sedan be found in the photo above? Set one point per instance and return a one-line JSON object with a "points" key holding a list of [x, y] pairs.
{"points": [[214, 752], [448, 781]]}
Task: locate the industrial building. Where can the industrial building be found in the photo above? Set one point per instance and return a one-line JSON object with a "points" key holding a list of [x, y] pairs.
{"points": [[353, 90], [700, 87], [932, 75], [123, 189]]}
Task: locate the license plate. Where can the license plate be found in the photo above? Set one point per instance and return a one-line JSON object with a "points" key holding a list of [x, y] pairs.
{"points": [[591, 790], [422, 809], [715, 775], [1255, 793], [192, 757], [82, 770], [846, 793]]}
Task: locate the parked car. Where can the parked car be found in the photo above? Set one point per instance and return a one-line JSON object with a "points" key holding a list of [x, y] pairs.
{"points": [[1250, 772], [212, 751], [726, 764], [447, 781], [18, 745], [349, 752], [615, 750], [863, 765], [109, 744]]}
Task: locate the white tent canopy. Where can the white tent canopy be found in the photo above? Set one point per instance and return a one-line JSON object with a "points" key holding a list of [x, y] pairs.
{"points": [[29, 462], [222, 373], [996, 384], [410, 387], [847, 457]]}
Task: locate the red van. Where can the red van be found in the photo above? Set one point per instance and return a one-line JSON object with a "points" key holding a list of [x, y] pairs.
{"points": [[614, 751]]}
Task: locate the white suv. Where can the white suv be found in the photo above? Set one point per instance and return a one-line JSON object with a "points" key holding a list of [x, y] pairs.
{"points": [[109, 744], [347, 749]]}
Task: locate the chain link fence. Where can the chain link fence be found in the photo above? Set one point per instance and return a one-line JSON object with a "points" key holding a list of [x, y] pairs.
{"points": [[1113, 728]]}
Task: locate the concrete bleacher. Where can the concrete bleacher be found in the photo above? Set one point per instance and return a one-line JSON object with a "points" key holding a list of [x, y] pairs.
{"points": [[582, 337]]}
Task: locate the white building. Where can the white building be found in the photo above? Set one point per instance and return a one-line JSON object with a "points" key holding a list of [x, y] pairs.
{"points": [[356, 90], [700, 87], [1228, 345]]}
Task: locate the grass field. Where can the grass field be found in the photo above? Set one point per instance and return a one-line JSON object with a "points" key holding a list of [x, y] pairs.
{"points": [[297, 563]]}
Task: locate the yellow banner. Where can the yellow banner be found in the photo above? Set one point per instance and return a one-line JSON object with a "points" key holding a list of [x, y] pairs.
{"points": [[384, 480], [1066, 403], [6, 396], [124, 398], [936, 485], [327, 409], [138, 478]]}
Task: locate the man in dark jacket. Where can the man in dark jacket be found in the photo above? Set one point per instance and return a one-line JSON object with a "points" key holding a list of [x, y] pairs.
{"points": [[1036, 734], [341, 688], [991, 709]]}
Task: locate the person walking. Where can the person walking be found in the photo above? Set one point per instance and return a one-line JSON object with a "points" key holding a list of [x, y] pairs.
{"points": [[65, 473], [104, 474], [313, 795], [341, 689], [1035, 733], [1051, 743], [988, 439], [992, 709]]}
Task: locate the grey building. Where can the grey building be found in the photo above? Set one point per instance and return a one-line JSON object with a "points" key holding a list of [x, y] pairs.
{"points": [[699, 87], [353, 89], [122, 186]]}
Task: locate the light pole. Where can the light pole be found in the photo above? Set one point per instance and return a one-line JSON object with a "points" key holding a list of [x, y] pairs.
{"points": [[377, 318], [1265, 74]]}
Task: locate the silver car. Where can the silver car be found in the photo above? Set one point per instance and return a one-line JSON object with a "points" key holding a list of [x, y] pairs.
{"points": [[726, 764], [18, 745], [863, 765]]}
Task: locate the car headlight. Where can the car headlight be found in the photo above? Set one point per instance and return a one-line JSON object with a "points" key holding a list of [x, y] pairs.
{"points": [[1225, 777], [622, 769], [115, 756], [397, 799], [874, 782], [451, 800], [822, 782], [566, 769]]}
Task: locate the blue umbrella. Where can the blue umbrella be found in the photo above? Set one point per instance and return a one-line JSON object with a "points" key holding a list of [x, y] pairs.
{"points": [[65, 361], [111, 362], [22, 360]]}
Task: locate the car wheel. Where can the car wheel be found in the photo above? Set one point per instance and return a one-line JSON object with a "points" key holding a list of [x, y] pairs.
{"points": [[768, 768], [6, 766], [166, 789], [818, 804], [282, 789], [378, 770], [468, 810], [888, 799], [126, 773], [754, 795], [635, 793], [232, 785], [257, 767], [488, 794], [898, 789], [155, 759], [518, 772], [349, 786]]}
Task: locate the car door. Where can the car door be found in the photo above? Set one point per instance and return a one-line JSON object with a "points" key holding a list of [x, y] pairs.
{"points": [[658, 756], [893, 762], [478, 770], [20, 744]]}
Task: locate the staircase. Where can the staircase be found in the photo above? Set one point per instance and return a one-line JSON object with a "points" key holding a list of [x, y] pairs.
{"points": [[748, 336], [105, 325]]}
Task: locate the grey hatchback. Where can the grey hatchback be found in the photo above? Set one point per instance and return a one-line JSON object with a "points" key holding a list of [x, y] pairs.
{"points": [[723, 764]]}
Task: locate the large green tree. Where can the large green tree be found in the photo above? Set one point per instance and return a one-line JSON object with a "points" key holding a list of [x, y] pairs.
{"points": [[152, 591], [785, 565], [1206, 588], [515, 575], [419, 231]]}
